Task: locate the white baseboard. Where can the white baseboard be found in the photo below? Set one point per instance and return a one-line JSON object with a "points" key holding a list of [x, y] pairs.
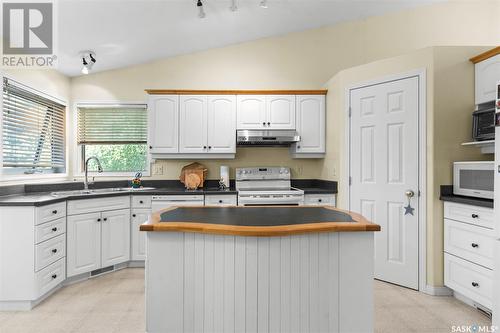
{"points": [[437, 291]]}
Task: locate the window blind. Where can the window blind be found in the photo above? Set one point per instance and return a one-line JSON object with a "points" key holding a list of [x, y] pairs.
{"points": [[33, 130], [112, 125]]}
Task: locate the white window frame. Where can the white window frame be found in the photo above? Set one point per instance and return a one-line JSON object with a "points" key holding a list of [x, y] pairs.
{"points": [[30, 177], [77, 151]]}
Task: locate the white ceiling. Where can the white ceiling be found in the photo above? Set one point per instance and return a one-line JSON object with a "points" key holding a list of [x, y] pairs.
{"points": [[123, 33]]}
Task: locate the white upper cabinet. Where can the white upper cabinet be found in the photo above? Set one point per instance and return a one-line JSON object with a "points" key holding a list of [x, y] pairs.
{"points": [[487, 74], [311, 124], [193, 124], [266, 112], [280, 112], [251, 112], [163, 111], [221, 124]]}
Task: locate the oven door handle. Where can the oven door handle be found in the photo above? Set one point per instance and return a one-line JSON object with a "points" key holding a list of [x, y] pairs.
{"points": [[297, 199]]}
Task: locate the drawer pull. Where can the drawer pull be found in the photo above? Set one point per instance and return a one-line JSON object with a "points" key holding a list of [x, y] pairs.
{"points": [[475, 284], [220, 201], [475, 216], [141, 202], [54, 211], [133, 215], [54, 276], [54, 250], [474, 245], [320, 200], [54, 229]]}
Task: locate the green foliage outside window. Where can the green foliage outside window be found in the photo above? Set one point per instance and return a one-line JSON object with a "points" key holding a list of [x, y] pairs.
{"points": [[117, 158]]}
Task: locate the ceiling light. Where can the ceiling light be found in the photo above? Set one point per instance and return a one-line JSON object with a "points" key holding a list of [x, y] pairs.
{"points": [[263, 4], [233, 7], [201, 13], [88, 60]]}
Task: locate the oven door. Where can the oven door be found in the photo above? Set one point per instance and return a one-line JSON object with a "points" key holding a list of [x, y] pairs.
{"points": [[270, 200], [474, 179]]}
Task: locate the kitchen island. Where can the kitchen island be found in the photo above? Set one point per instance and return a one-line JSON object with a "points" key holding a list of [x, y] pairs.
{"points": [[259, 269]]}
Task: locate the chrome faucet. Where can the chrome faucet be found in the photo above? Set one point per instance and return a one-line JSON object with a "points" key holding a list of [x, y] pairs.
{"points": [[99, 169]]}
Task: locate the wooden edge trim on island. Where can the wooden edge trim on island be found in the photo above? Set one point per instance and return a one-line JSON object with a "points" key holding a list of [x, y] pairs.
{"points": [[234, 92], [360, 224], [485, 55]]}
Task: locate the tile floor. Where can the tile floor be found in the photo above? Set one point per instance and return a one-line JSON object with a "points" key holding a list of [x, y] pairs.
{"points": [[115, 303]]}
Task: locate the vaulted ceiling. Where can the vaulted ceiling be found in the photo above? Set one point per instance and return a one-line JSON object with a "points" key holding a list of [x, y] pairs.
{"points": [[124, 33]]}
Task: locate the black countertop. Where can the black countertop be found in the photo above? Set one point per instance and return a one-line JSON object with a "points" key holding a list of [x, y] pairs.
{"points": [[447, 195], [40, 194], [254, 216]]}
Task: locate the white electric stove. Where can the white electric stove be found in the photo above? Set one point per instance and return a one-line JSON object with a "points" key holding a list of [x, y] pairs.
{"points": [[266, 186]]}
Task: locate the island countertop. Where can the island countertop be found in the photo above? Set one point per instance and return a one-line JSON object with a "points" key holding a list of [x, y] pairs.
{"points": [[257, 221]]}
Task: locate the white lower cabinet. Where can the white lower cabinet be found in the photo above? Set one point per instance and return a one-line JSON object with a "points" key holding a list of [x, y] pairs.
{"points": [[138, 217], [84, 243], [468, 251], [97, 240], [115, 237]]}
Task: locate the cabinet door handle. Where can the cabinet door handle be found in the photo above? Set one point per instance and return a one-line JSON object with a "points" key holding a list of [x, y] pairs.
{"points": [[264, 123], [105, 219], [474, 245], [54, 229], [141, 202], [133, 215], [475, 284], [475, 216], [54, 276], [320, 200], [204, 147], [150, 147], [268, 124], [209, 147], [54, 250], [298, 147], [54, 211], [98, 220], [220, 201]]}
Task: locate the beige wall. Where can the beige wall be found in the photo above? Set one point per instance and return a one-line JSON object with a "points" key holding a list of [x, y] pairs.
{"points": [[300, 60], [450, 102]]}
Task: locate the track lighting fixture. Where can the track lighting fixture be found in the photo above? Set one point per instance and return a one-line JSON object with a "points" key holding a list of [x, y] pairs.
{"points": [[263, 4], [88, 60], [201, 12], [233, 7]]}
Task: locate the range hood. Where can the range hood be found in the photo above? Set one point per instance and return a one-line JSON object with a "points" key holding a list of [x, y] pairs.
{"points": [[266, 137]]}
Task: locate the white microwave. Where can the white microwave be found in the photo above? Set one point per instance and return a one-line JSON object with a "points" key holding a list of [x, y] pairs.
{"points": [[474, 179]]}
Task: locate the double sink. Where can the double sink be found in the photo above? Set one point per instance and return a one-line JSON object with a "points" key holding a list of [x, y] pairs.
{"points": [[98, 191]]}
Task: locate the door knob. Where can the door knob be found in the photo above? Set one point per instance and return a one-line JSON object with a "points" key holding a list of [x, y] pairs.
{"points": [[410, 193]]}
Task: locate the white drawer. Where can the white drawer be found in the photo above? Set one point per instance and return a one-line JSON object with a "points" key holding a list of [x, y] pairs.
{"points": [[50, 251], [50, 276], [469, 242], [98, 204], [481, 216], [471, 280], [50, 212], [319, 199], [141, 201], [221, 200], [50, 229]]}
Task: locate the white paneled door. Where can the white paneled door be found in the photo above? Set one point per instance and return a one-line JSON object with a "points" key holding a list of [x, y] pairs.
{"points": [[384, 172]]}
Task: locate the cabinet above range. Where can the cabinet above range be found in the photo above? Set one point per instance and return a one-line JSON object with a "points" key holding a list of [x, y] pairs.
{"points": [[202, 124]]}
